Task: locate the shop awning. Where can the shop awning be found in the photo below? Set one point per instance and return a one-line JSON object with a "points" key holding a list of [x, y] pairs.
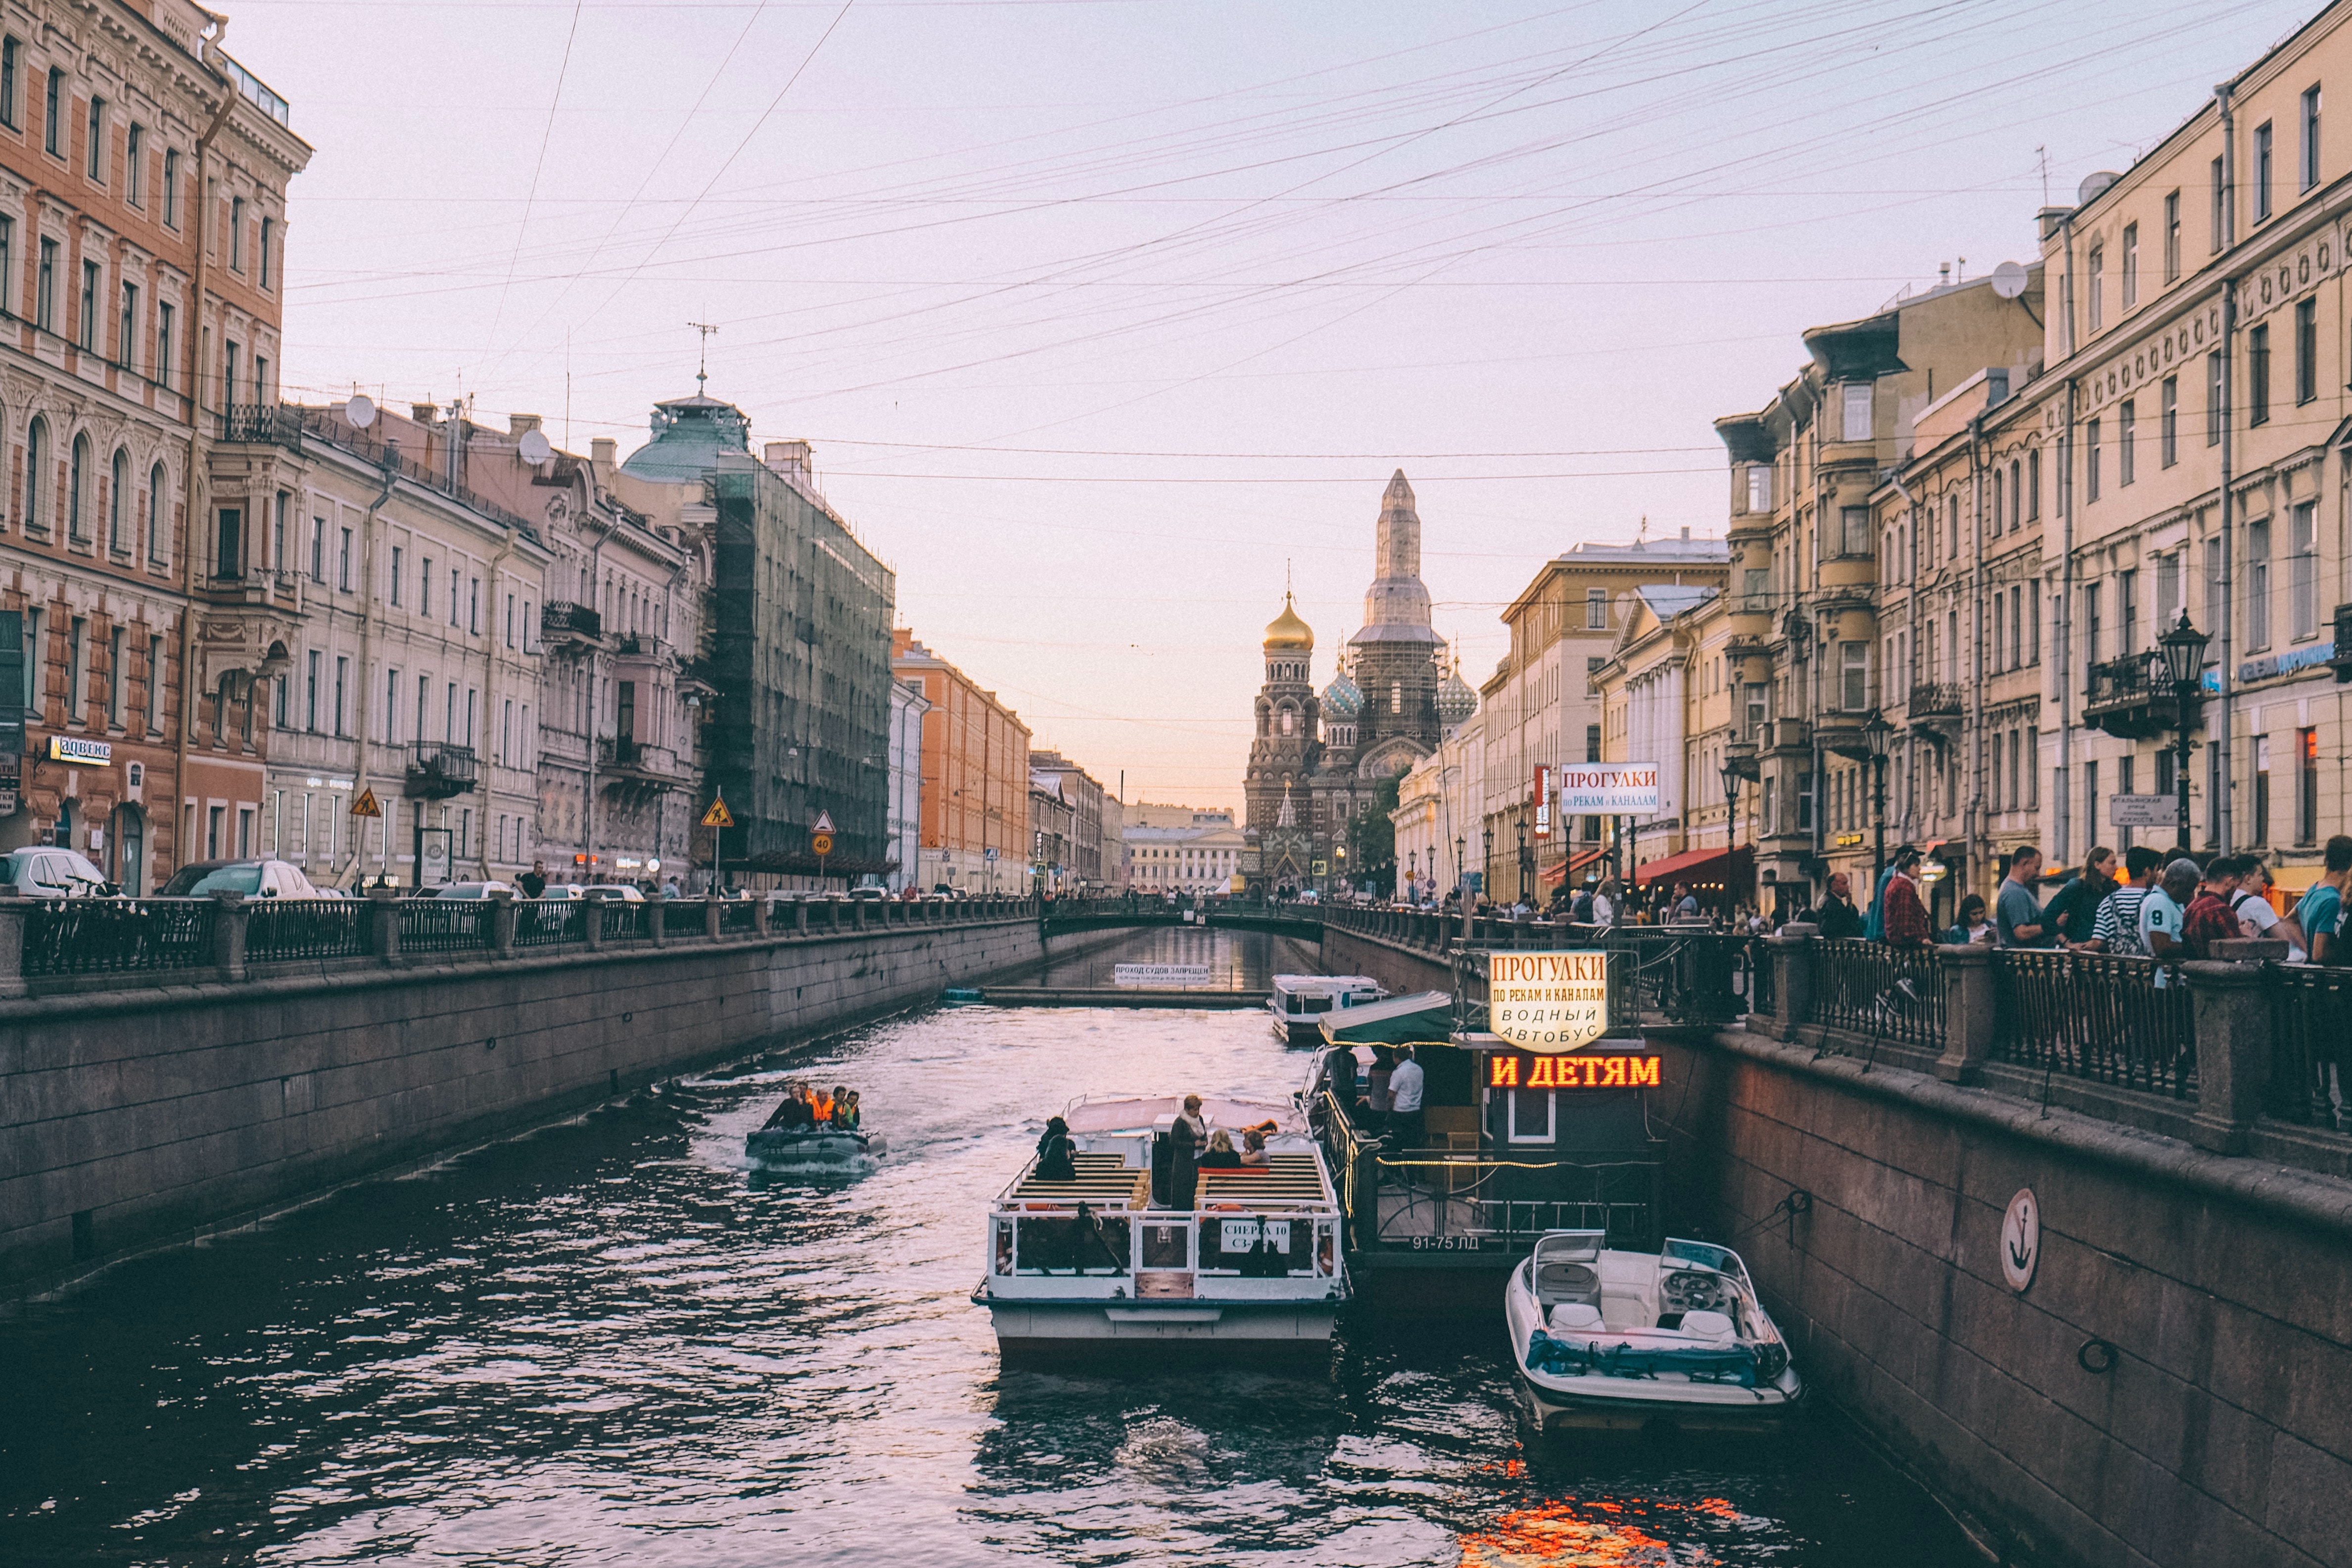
{"points": [[1558, 873], [1423, 1018], [1732, 867]]}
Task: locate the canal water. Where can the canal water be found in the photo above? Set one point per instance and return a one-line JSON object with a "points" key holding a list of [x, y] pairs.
{"points": [[611, 1343]]}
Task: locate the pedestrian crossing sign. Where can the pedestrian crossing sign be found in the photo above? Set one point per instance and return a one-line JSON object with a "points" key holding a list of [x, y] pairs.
{"points": [[824, 822], [365, 805], [718, 815]]}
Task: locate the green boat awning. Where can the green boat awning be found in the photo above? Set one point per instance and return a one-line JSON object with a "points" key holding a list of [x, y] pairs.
{"points": [[1423, 1018]]}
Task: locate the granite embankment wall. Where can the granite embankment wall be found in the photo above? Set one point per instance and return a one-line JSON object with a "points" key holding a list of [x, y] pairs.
{"points": [[1397, 966], [131, 1119], [2173, 1387]]}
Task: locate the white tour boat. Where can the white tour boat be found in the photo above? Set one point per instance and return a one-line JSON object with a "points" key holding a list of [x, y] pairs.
{"points": [[1300, 1003], [1117, 1260], [1622, 1340]]}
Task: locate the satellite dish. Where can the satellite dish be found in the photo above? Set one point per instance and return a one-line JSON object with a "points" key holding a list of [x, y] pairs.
{"points": [[536, 448], [2093, 184], [2009, 280], [360, 411]]}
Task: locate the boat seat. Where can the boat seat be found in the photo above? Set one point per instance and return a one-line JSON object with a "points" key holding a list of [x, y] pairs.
{"points": [[1576, 1317], [1558, 1282], [1707, 1326]]}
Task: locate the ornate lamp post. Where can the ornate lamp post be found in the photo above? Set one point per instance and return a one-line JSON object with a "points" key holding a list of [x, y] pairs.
{"points": [[1877, 731], [1461, 892], [2184, 662], [1486, 862], [1413, 876], [1731, 831], [1526, 862]]}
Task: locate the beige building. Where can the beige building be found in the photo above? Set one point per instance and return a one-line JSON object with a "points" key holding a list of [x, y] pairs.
{"points": [[1439, 816], [1181, 849], [1668, 696]]}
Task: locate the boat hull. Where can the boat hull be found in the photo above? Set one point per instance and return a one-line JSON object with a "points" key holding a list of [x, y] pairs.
{"points": [[1555, 1408], [777, 1147], [1300, 1031], [1056, 1332]]}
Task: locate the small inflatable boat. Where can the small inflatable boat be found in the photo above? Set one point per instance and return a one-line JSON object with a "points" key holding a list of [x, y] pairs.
{"points": [[811, 1146]]}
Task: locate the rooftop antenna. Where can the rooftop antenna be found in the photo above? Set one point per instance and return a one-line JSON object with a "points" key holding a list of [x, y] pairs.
{"points": [[2042, 154], [702, 369]]}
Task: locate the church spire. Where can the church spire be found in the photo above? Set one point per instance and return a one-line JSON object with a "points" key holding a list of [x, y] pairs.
{"points": [[1396, 607]]}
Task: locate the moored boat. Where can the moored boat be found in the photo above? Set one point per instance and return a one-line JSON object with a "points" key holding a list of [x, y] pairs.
{"points": [[1299, 1003], [812, 1145], [1119, 1259], [1612, 1339]]}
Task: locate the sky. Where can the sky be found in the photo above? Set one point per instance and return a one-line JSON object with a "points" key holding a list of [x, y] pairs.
{"points": [[1109, 318]]}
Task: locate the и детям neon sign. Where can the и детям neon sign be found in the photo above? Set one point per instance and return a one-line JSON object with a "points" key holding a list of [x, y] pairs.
{"points": [[1507, 1071]]}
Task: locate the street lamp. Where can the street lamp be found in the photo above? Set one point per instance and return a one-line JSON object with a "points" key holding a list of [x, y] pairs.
{"points": [[1487, 861], [2184, 662], [1413, 874], [1526, 862], [1877, 731], [1459, 845]]}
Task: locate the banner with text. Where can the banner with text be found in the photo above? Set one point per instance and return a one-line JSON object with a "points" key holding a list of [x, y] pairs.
{"points": [[1609, 789], [1543, 800], [1161, 974], [1547, 1002]]}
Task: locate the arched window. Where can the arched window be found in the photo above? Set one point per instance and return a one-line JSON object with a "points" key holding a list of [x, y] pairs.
{"points": [[114, 502], [76, 488], [37, 458], [155, 513]]}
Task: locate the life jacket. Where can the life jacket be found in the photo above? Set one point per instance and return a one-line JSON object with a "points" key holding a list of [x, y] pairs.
{"points": [[824, 1108]]}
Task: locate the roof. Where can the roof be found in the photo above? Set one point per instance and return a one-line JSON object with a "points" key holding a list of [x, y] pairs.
{"points": [[1668, 599], [1286, 630], [1343, 699], [1425, 1017], [690, 434]]}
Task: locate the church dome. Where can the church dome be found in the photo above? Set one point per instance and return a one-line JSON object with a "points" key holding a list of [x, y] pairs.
{"points": [[1287, 631], [1343, 699], [1456, 700]]}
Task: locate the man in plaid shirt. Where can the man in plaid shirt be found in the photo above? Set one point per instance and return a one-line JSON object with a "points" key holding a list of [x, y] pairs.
{"points": [[1907, 916]]}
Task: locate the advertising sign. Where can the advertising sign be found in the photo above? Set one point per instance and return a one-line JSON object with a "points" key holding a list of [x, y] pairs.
{"points": [[1543, 800], [2142, 811], [73, 749], [1609, 789], [1547, 1002], [1161, 974]]}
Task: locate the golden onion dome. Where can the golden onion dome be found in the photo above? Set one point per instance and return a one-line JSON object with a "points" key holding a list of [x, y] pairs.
{"points": [[1287, 631]]}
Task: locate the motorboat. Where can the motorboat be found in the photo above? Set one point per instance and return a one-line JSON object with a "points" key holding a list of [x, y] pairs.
{"points": [[1611, 1340], [1299, 1002], [1118, 1259]]}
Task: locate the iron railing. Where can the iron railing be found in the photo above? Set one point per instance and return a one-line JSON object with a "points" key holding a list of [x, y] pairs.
{"points": [[443, 925], [559, 618], [1935, 699], [2097, 1016], [102, 936], [437, 770], [682, 917], [2311, 1043], [622, 921], [1888, 992], [551, 923], [284, 931], [737, 917]]}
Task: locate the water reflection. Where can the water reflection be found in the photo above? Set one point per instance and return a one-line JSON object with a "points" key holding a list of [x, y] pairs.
{"points": [[614, 1342]]}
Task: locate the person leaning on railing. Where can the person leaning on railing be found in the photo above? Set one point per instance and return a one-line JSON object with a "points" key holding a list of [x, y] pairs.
{"points": [[1905, 921], [2115, 929], [2321, 912]]}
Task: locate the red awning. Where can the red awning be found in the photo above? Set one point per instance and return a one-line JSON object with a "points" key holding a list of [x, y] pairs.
{"points": [[1559, 872], [1728, 866]]}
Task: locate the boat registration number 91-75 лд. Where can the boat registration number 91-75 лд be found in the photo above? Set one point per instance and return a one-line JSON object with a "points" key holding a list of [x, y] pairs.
{"points": [[1445, 1243]]}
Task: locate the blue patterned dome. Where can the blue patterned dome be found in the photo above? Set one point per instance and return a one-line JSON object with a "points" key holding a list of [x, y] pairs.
{"points": [[1343, 699], [1456, 700]]}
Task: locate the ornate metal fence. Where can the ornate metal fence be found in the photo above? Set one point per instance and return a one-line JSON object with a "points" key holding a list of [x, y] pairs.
{"points": [[2311, 1043], [682, 917], [2097, 1016], [100, 936], [622, 921], [1869, 988], [283, 930], [443, 925], [737, 918], [550, 922]]}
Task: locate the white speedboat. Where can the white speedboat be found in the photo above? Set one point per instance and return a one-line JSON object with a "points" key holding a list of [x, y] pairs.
{"points": [[1118, 1261], [1300, 1003], [1616, 1341]]}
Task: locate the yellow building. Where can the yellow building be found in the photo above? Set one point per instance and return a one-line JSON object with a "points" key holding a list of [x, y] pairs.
{"points": [[1668, 694]]}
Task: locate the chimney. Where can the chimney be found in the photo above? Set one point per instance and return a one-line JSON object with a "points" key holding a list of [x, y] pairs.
{"points": [[424, 412], [794, 460], [1943, 275], [601, 452], [521, 425], [1687, 533]]}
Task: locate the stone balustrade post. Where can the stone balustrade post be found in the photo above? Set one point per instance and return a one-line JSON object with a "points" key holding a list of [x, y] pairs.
{"points": [[384, 911], [1968, 1011], [710, 914], [14, 911], [799, 917], [592, 924], [503, 924], [656, 922], [763, 915], [228, 935], [2231, 1021], [1791, 951]]}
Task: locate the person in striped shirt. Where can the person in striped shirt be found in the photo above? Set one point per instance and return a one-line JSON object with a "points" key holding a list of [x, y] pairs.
{"points": [[2115, 929]]}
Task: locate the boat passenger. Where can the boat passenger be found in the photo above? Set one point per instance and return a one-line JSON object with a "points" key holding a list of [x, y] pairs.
{"points": [[1220, 1155], [1185, 1140], [1406, 1119], [846, 1114], [1376, 1087], [1053, 1152], [1253, 1146], [793, 1115]]}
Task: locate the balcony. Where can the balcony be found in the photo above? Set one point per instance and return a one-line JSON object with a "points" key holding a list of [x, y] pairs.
{"points": [[621, 762], [2131, 698], [1743, 645], [1841, 735], [437, 770], [1937, 705], [570, 628]]}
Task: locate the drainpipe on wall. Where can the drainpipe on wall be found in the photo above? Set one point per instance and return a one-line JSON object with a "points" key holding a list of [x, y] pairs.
{"points": [[191, 493], [2224, 777]]}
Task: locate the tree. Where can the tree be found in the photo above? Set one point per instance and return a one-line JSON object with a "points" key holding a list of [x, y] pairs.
{"points": [[1371, 836]]}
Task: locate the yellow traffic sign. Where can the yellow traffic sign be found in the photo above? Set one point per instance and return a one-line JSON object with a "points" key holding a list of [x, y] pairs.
{"points": [[821, 844], [365, 805], [718, 815]]}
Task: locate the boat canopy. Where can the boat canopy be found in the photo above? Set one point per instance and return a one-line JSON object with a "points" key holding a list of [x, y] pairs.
{"points": [[1423, 1018]]}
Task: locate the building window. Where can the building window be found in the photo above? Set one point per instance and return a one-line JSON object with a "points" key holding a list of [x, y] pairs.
{"points": [[76, 631], [2095, 287], [1853, 675], [2127, 613], [85, 327], [343, 570], [2263, 172], [396, 554], [1592, 675], [2308, 162], [310, 694], [164, 345], [11, 58], [229, 556], [2258, 584], [2261, 834], [127, 334], [268, 232], [2303, 571], [134, 165], [318, 551], [1593, 742], [342, 678], [2126, 433], [155, 514], [2258, 375], [2172, 237], [45, 288], [1596, 609], [94, 153], [2307, 351], [2090, 624], [171, 188], [36, 460], [2217, 407], [2016, 627], [236, 234], [2033, 484], [1855, 411], [114, 678], [2167, 592], [117, 482], [2168, 426], [2089, 459], [2306, 782], [1759, 487], [53, 115], [1856, 528], [2131, 264], [78, 491], [2221, 218]]}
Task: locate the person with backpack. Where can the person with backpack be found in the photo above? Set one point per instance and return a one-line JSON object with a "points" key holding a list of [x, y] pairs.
{"points": [[2115, 929], [2251, 907]]}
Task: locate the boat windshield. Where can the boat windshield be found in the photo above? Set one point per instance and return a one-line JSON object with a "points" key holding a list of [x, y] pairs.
{"points": [[1722, 1259]]}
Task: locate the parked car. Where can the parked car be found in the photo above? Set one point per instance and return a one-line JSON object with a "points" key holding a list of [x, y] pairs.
{"points": [[254, 878], [612, 892], [472, 889], [871, 895], [39, 873]]}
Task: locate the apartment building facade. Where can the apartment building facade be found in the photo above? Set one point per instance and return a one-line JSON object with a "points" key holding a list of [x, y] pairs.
{"points": [[975, 806]]}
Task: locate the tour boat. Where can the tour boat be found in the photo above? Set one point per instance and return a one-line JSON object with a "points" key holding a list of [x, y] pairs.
{"points": [[1300, 1002], [1114, 1261], [1618, 1341]]}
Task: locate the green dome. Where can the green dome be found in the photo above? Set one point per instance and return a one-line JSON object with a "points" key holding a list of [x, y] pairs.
{"points": [[690, 434]]}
